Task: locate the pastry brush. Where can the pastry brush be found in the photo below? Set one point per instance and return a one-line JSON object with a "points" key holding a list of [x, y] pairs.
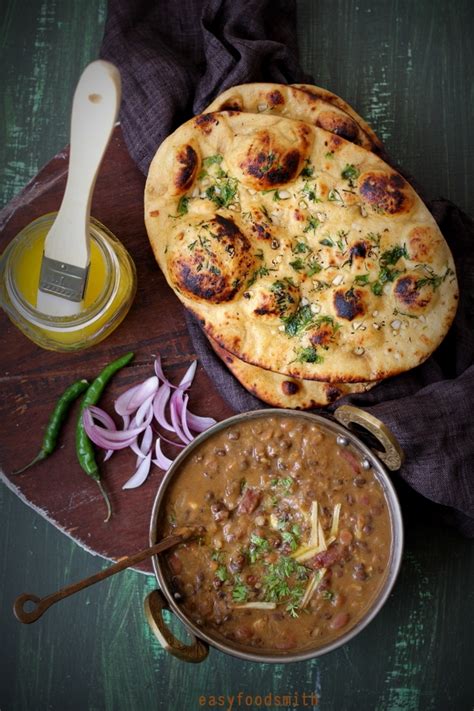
{"points": [[66, 255]]}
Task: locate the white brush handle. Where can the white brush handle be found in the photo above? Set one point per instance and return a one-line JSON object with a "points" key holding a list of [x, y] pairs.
{"points": [[94, 113]]}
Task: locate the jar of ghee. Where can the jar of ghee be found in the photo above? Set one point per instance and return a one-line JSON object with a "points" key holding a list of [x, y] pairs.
{"points": [[110, 289]]}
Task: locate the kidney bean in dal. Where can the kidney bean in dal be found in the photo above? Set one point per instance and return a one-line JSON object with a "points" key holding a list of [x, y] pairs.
{"points": [[297, 540]]}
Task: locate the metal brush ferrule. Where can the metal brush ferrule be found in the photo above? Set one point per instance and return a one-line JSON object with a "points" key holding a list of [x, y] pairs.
{"points": [[65, 280]]}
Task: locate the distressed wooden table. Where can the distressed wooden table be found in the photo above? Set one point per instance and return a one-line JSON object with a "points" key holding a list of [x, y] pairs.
{"points": [[406, 67]]}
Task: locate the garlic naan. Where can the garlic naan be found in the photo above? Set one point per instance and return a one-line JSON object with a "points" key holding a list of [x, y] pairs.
{"points": [[299, 251]]}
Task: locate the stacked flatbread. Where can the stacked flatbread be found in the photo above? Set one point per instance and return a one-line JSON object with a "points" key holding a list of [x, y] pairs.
{"points": [[314, 268]]}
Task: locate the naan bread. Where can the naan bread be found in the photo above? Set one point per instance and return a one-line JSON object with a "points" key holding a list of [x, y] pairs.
{"points": [[282, 391], [302, 102], [299, 251]]}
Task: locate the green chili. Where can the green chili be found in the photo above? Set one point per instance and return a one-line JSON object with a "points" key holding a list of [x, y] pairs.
{"points": [[84, 449], [55, 422]]}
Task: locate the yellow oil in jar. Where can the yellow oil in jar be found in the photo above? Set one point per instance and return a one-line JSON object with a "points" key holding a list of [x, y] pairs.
{"points": [[109, 293], [27, 272]]}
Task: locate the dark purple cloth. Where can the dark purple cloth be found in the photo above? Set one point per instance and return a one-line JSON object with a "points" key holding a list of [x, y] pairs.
{"points": [[175, 56]]}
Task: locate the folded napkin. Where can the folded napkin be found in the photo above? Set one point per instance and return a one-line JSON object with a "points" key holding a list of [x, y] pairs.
{"points": [[175, 58]]}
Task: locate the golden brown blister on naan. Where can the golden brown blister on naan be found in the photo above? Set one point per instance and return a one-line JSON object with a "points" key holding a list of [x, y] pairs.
{"points": [[299, 251]]}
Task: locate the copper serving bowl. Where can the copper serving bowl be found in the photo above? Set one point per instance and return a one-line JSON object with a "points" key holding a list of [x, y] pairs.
{"points": [[391, 454]]}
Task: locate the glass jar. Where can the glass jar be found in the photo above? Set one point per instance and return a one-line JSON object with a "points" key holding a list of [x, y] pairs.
{"points": [[110, 289]]}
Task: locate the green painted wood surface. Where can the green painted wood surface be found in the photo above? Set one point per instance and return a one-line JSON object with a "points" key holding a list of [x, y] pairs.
{"points": [[407, 67]]}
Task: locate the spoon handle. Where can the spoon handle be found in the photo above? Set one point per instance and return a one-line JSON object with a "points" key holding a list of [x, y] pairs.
{"points": [[42, 603]]}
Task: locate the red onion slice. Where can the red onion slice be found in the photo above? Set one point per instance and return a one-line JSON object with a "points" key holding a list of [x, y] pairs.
{"points": [[108, 439], [147, 441], [140, 475], [159, 404], [188, 377], [184, 421], [121, 404], [131, 399], [199, 424], [126, 421], [103, 417], [161, 461], [143, 412], [160, 374], [142, 450], [176, 406]]}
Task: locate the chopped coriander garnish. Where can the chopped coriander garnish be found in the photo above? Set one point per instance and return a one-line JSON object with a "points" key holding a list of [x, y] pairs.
{"points": [[385, 275], [222, 573], [350, 173], [313, 267], [328, 595], [240, 590], [300, 248], [227, 192], [258, 546], [292, 607], [289, 538], [276, 584], [308, 170], [212, 160], [391, 256], [335, 196], [361, 279], [260, 272], [313, 224], [298, 321], [297, 264], [327, 242], [284, 483], [434, 280], [308, 355], [310, 192], [182, 206]]}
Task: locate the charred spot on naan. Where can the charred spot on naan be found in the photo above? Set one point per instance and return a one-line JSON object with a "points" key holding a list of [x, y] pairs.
{"points": [[290, 387], [339, 124], [322, 336], [269, 302], [206, 122], [387, 194], [209, 260], [349, 304], [359, 250], [187, 164], [228, 103], [332, 392], [411, 294], [275, 98], [270, 161], [261, 230]]}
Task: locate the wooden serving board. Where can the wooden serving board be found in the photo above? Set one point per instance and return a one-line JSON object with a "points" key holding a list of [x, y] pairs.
{"points": [[33, 378]]}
